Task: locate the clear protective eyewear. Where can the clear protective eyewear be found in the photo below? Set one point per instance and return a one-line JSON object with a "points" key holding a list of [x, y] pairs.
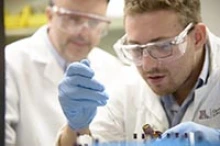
{"points": [[163, 49], [72, 20]]}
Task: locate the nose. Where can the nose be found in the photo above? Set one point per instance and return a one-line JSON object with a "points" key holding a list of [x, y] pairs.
{"points": [[83, 29], [148, 62]]}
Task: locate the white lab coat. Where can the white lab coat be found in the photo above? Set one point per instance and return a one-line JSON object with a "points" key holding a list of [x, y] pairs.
{"points": [[133, 104], [33, 114]]}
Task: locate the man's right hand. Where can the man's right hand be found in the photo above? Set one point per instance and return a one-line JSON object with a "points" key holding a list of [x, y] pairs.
{"points": [[80, 94]]}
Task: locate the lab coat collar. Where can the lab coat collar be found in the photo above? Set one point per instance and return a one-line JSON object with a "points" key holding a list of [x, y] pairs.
{"points": [[214, 47], [201, 94], [214, 43]]}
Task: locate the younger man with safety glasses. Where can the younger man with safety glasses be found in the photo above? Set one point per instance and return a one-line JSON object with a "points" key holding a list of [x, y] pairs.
{"points": [[178, 58]]}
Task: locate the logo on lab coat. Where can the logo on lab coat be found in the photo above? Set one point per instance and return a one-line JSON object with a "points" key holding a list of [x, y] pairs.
{"points": [[203, 115], [208, 114]]}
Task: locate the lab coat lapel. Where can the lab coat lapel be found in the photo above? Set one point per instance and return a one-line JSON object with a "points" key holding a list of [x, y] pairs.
{"points": [[51, 69], [54, 77], [44, 58]]}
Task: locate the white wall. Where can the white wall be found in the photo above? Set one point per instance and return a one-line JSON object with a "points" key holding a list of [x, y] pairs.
{"points": [[115, 8], [211, 15]]}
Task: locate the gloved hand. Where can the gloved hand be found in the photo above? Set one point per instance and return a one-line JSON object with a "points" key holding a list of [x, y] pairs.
{"points": [[201, 132], [80, 94]]}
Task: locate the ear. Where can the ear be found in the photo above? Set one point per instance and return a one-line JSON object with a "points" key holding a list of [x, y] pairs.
{"points": [[49, 13], [199, 35]]}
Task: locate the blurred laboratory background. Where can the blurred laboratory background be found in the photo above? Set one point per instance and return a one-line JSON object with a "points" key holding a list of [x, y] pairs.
{"points": [[23, 17]]}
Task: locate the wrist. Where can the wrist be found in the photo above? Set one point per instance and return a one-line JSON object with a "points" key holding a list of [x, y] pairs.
{"points": [[80, 130], [69, 136]]}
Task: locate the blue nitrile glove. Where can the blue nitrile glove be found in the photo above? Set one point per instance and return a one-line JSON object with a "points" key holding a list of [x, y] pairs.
{"points": [[201, 132], [80, 94]]}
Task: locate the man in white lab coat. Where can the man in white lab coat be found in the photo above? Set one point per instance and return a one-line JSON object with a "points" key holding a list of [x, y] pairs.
{"points": [[177, 57], [35, 65]]}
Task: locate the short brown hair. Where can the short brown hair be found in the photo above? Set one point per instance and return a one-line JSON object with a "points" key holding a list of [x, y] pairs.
{"points": [[188, 10]]}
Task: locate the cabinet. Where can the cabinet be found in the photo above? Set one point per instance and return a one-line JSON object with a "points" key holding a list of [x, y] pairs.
{"points": [[23, 17]]}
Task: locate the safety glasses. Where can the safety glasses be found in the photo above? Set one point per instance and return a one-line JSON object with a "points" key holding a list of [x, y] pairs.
{"points": [[158, 50], [71, 20]]}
